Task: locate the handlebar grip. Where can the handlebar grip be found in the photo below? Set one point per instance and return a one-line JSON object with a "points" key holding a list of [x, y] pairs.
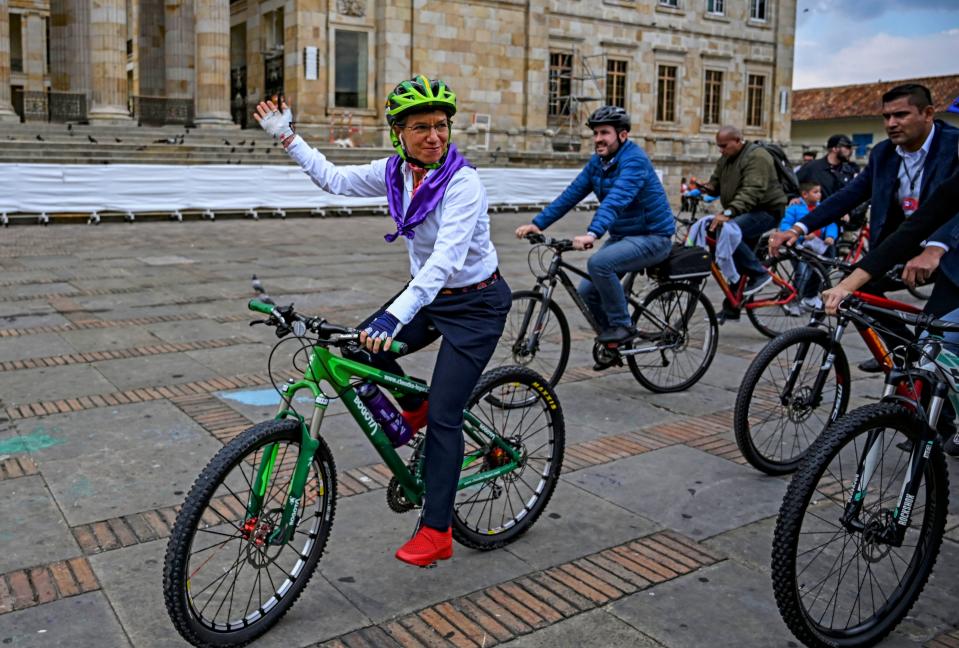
{"points": [[399, 348], [260, 307]]}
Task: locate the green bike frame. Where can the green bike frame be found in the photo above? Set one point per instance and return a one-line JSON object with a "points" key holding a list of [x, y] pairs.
{"points": [[340, 374]]}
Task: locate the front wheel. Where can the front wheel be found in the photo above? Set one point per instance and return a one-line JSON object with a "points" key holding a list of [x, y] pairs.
{"points": [[227, 577], [838, 581], [522, 408], [678, 334], [777, 307], [535, 336], [787, 398]]}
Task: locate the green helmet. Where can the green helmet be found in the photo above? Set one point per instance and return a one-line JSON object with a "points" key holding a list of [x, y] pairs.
{"points": [[419, 94]]}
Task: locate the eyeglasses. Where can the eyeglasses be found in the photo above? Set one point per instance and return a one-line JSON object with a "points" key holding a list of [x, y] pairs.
{"points": [[423, 130]]}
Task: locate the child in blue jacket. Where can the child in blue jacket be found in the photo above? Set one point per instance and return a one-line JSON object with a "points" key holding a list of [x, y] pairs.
{"points": [[822, 241]]}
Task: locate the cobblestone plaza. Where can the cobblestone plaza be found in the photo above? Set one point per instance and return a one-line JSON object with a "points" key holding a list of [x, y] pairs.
{"points": [[126, 361]]}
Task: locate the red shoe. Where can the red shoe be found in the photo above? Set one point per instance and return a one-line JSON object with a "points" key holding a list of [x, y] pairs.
{"points": [[426, 547], [417, 418]]}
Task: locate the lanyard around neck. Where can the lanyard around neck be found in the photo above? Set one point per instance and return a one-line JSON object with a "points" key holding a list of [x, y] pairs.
{"points": [[913, 178]]}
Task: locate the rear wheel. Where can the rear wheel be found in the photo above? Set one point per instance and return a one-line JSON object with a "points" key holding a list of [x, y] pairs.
{"points": [[524, 411], [774, 309], [779, 412], [549, 352], [678, 328], [837, 580], [226, 580]]}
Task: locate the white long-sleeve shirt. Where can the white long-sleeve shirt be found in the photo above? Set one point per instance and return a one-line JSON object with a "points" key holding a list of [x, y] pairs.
{"points": [[450, 249]]}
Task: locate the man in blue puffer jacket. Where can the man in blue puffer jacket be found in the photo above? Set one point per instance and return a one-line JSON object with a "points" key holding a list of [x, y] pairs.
{"points": [[633, 209]]}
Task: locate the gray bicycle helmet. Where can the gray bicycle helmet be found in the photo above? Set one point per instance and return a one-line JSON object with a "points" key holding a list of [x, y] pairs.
{"points": [[613, 116]]}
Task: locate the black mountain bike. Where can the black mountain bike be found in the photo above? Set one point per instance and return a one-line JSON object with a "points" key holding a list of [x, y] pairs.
{"points": [[677, 324], [798, 384], [863, 518]]}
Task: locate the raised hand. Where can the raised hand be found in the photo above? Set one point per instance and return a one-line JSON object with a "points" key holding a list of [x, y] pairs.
{"points": [[277, 121]]}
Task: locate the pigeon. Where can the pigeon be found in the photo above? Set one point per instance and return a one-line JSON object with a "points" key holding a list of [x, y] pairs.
{"points": [[142, 147], [232, 149], [69, 127], [227, 142], [40, 138], [118, 140], [253, 143], [243, 143], [92, 139], [249, 150], [275, 144], [257, 286]]}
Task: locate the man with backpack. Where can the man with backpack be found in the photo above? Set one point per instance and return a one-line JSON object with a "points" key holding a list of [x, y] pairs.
{"points": [[749, 179]]}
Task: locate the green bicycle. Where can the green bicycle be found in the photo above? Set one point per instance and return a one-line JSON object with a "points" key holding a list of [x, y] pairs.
{"points": [[256, 521]]}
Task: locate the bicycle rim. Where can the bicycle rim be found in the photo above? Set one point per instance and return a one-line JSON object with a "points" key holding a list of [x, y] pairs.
{"points": [[842, 587], [235, 578], [494, 512], [551, 352], [775, 318], [779, 426], [684, 348]]}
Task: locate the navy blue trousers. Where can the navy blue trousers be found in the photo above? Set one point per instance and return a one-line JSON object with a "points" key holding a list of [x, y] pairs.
{"points": [[470, 325]]}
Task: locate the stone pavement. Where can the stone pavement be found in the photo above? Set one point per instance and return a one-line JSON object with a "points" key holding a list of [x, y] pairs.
{"points": [[126, 361]]}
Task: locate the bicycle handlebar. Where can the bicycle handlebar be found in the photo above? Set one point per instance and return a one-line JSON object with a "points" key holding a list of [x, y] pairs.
{"points": [[284, 317], [560, 245]]}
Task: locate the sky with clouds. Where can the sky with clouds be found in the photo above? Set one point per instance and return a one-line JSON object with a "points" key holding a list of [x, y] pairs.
{"points": [[839, 42]]}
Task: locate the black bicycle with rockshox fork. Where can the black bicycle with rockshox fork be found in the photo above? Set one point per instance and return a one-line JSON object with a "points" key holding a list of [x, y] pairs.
{"points": [[676, 342], [864, 517]]}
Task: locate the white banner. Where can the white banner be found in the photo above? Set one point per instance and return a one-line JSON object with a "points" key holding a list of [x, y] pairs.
{"points": [[35, 188]]}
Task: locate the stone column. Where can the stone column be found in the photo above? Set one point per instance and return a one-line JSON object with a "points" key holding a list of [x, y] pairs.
{"points": [[6, 108], [69, 59], [108, 59], [34, 52], [151, 104], [178, 49], [536, 83], [213, 49]]}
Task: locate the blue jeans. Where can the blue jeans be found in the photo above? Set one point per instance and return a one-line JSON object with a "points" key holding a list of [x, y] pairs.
{"points": [[753, 225], [603, 292]]}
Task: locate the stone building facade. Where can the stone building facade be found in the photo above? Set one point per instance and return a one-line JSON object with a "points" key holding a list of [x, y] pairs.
{"points": [[527, 72]]}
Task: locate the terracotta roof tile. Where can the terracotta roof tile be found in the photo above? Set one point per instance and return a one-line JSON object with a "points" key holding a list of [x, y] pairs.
{"points": [[864, 99]]}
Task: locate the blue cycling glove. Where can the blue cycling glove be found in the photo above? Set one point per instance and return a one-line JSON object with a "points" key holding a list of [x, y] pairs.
{"points": [[384, 325], [693, 193], [708, 199]]}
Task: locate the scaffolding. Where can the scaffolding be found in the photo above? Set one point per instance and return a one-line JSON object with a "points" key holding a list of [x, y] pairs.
{"points": [[577, 86]]}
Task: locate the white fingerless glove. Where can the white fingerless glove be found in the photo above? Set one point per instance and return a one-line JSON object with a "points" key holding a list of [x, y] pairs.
{"points": [[279, 124]]}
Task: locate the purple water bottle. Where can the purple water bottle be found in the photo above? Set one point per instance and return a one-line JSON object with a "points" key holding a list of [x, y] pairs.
{"points": [[384, 413]]}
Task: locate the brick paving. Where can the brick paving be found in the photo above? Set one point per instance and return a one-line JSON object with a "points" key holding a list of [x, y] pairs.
{"points": [[546, 592]]}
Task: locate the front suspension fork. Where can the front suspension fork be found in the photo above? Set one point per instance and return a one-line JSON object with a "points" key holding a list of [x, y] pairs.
{"points": [[292, 507], [869, 461]]}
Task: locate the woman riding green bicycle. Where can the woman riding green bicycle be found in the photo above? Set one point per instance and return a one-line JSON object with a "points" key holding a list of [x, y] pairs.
{"points": [[438, 205]]}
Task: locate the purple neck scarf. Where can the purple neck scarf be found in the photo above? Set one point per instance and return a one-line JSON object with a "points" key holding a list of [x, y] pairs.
{"points": [[427, 196]]}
